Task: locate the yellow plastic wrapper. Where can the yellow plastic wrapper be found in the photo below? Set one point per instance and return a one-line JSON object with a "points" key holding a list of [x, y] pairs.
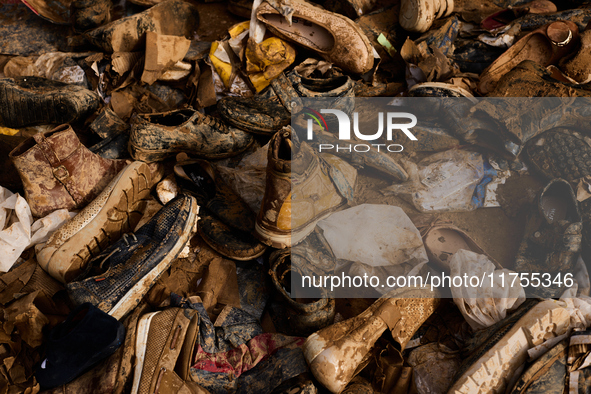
{"points": [[8, 131], [220, 58], [265, 61]]}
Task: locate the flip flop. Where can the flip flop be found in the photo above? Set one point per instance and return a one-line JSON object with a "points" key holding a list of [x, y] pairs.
{"points": [[442, 241], [545, 45]]}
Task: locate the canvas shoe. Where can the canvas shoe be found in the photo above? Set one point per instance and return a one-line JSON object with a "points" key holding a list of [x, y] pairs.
{"points": [[301, 189], [114, 212], [154, 137], [165, 344], [117, 279]]}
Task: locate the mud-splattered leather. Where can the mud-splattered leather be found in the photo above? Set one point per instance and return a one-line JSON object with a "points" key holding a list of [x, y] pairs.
{"points": [[59, 172]]}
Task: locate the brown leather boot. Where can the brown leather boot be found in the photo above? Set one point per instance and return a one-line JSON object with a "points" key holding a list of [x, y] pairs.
{"points": [[59, 172]]}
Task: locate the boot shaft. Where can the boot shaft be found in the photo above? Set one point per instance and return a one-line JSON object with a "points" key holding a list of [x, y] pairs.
{"points": [[59, 172]]}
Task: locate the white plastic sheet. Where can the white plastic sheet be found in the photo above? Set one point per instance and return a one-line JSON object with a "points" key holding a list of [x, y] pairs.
{"points": [[486, 304], [19, 232]]}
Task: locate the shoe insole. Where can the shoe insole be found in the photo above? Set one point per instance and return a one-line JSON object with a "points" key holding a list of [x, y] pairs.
{"points": [[443, 243], [554, 208], [313, 35]]}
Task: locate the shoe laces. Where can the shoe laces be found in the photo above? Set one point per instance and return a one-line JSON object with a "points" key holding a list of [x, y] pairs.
{"points": [[214, 122], [125, 238]]}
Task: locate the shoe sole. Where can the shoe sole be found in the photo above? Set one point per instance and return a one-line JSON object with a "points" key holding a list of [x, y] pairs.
{"points": [[141, 344], [282, 241], [19, 108], [114, 212], [493, 369], [228, 253], [153, 155], [133, 297]]}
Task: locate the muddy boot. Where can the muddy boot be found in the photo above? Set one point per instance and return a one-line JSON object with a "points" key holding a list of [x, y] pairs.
{"points": [[322, 184], [28, 101], [290, 315], [89, 14], [59, 172], [552, 239], [336, 353]]}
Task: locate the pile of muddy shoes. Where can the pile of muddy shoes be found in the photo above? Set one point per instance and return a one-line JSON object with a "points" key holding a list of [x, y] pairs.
{"points": [[194, 199]]}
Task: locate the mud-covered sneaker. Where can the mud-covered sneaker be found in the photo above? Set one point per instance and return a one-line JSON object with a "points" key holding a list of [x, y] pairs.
{"points": [[155, 137], [336, 352], [270, 110], [492, 364], [301, 189], [165, 343], [114, 212], [226, 222], [117, 279], [28, 101]]}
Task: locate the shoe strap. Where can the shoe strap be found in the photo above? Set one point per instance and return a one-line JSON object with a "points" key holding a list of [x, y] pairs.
{"points": [[59, 170], [288, 96]]}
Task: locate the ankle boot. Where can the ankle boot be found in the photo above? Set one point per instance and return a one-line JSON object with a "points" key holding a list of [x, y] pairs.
{"points": [[322, 183], [337, 353], [59, 172]]}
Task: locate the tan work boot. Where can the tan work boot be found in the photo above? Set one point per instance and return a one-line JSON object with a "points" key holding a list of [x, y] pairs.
{"points": [[302, 188]]}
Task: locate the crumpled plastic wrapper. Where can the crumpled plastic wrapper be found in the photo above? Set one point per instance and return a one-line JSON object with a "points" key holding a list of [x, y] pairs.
{"points": [[19, 232], [445, 181], [381, 240], [484, 305], [266, 60]]}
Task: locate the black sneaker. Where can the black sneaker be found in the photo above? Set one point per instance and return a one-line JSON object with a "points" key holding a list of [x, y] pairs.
{"points": [[117, 279], [86, 337], [28, 101]]}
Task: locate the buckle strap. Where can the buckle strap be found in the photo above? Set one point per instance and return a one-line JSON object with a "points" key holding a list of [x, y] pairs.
{"points": [[288, 96], [59, 170]]}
